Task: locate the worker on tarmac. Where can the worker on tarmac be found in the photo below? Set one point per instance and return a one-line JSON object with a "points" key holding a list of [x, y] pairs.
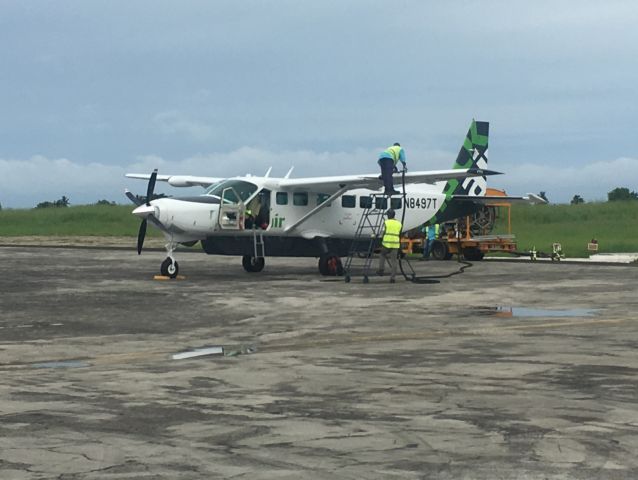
{"points": [[388, 160], [390, 245], [431, 234]]}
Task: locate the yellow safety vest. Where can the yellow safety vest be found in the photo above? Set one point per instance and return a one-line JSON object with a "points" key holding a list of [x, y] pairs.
{"points": [[394, 151], [435, 227], [391, 238]]}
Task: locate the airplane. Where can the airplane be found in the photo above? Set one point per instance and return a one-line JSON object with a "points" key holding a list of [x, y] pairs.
{"points": [[254, 217]]}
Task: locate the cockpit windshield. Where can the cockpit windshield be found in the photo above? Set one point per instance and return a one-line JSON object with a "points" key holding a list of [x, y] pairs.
{"points": [[240, 187]]}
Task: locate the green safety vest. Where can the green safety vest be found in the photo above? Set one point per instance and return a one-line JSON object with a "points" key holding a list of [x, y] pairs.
{"points": [[391, 238], [394, 151]]}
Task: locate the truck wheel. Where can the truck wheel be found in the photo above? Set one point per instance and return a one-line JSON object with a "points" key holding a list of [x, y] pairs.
{"points": [[440, 251], [473, 254]]}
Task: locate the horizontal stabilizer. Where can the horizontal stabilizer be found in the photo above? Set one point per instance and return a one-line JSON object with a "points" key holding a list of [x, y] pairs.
{"points": [[530, 198]]}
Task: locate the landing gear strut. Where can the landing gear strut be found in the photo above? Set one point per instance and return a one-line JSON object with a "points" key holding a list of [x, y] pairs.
{"points": [[170, 267]]}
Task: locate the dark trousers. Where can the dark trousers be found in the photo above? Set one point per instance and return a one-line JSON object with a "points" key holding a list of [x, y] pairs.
{"points": [[428, 248], [387, 169]]}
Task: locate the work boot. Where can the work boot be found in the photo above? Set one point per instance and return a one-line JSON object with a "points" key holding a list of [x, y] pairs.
{"points": [[392, 280], [392, 192]]}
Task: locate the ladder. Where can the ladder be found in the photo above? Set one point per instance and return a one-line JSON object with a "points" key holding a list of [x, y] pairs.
{"points": [[366, 237], [258, 244]]}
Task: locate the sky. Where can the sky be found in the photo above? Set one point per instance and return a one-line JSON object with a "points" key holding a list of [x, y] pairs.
{"points": [[92, 90]]}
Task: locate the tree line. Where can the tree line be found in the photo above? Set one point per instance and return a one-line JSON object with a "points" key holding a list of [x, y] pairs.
{"points": [[616, 195]]}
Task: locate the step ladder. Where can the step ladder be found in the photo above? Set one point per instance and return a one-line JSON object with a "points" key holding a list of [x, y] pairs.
{"points": [[259, 250], [366, 238]]}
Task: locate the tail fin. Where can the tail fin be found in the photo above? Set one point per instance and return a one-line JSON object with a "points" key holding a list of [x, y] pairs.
{"points": [[473, 155]]}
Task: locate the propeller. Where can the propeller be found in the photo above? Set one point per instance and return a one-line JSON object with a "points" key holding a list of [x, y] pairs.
{"points": [[140, 236], [149, 196], [151, 187]]}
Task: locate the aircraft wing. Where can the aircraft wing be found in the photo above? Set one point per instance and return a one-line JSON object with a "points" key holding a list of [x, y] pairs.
{"points": [[179, 180], [372, 181], [496, 199]]}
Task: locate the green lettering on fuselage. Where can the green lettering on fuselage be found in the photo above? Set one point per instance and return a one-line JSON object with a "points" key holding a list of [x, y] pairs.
{"points": [[277, 222]]}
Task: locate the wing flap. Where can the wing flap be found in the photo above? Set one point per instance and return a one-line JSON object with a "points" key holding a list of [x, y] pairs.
{"points": [[530, 198]]}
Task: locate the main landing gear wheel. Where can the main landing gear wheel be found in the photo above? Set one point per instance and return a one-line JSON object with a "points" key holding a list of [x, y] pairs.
{"points": [[330, 265], [253, 264], [169, 268]]}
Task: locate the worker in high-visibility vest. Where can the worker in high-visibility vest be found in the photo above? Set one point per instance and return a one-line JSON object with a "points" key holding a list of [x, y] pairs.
{"points": [[388, 160], [390, 244], [431, 234]]}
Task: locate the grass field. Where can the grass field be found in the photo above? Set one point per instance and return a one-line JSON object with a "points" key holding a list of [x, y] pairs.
{"points": [[92, 220], [613, 224]]}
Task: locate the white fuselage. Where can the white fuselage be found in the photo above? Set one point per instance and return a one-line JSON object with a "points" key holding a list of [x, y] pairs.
{"points": [[196, 218]]}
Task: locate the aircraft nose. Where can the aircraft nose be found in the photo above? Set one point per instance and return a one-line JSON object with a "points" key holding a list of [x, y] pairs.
{"points": [[144, 211]]}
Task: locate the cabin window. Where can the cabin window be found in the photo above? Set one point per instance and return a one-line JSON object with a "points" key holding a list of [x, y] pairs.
{"points": [[300, 199], [365, 202], [282, 198], [381, 203], [395, 203], [348, 201], [322, 197]]}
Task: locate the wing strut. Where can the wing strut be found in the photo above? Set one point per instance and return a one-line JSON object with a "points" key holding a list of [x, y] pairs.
{"points": [[318, 208]]}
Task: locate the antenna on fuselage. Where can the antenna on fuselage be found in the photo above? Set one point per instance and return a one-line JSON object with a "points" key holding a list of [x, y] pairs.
{"points": [[289, 172], [268, 172]]}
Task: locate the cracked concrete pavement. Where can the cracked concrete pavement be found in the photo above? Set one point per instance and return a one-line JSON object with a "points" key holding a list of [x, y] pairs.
{"points": [[347, 381]]}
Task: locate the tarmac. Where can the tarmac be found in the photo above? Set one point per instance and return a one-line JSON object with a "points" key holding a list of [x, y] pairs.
{"points": [[511, 370]]}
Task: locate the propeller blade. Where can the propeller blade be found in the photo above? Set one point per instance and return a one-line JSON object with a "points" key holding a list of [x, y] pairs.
{"points": [[140, 236], [151, 187], [132, 198]]}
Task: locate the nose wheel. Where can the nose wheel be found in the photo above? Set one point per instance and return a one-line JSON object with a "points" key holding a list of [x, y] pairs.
{"points": [[169, 268]]}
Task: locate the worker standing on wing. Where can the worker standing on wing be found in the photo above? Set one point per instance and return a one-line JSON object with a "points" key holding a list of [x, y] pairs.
{"points": [[388, 160], [390, 245]]}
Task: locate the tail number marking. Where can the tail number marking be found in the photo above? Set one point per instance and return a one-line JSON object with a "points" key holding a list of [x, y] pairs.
{"points": [[424, 202]]}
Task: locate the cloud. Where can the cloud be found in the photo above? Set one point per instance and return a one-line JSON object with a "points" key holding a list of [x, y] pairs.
{"points": [[25, 183], [592, 181], [176, 123]]}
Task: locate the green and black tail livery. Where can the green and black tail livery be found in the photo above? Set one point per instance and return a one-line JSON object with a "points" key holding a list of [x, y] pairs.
{"points": [[473, 156]]}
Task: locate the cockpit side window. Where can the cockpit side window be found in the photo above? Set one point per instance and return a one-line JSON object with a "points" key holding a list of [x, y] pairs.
{"points": [[244, 189]]}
